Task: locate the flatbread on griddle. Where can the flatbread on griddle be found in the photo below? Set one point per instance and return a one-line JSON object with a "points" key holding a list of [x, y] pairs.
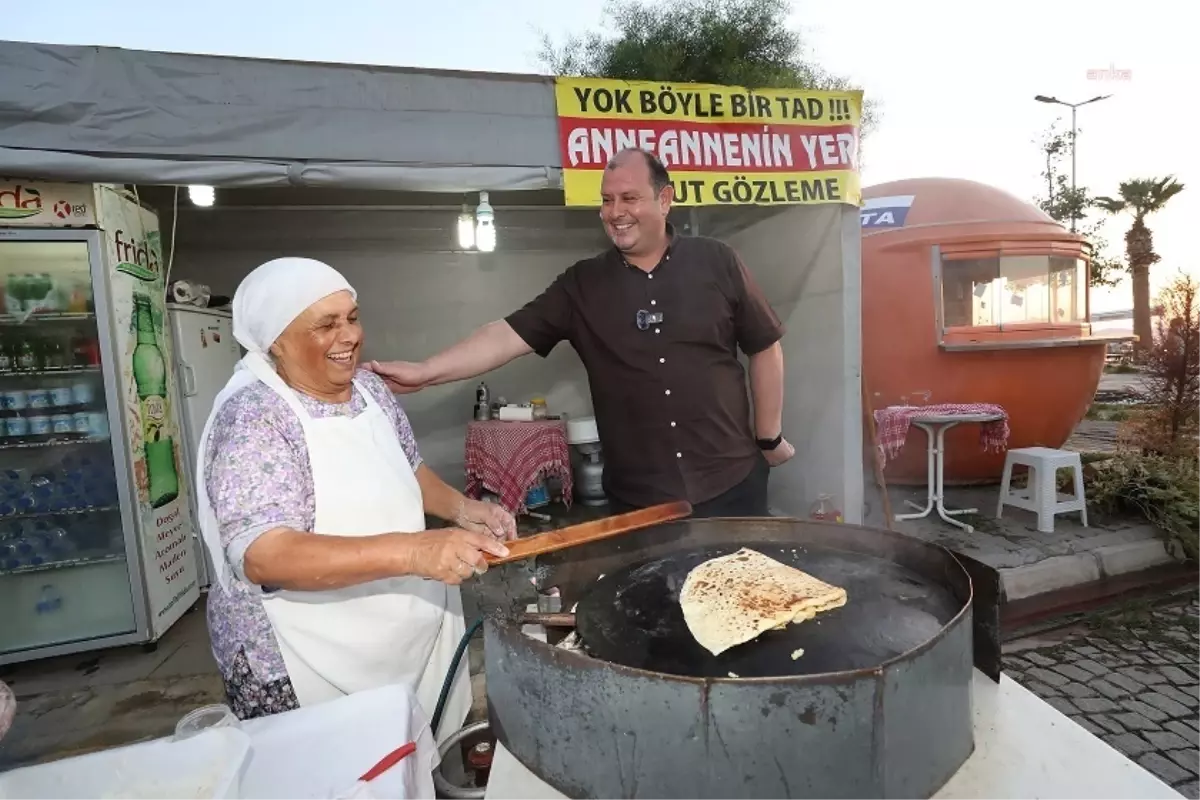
{"points": [[729, 600]]}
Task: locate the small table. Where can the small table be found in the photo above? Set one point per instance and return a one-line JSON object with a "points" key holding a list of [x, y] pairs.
{"points": [[510, 458], [935, 427]]}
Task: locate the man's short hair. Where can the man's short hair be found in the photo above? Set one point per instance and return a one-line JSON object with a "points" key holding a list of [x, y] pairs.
{"points": [[659, 177]]}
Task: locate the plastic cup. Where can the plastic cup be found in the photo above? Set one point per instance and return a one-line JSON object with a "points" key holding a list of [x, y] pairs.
{"points": [[205, 718]]}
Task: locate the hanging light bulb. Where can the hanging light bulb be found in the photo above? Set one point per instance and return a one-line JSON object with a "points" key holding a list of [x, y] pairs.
{"points": [[202, 195], [485, 225], [466, 229]]}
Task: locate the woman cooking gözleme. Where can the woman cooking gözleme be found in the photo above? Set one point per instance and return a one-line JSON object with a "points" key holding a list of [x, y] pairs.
{"points": [[312, 503]]}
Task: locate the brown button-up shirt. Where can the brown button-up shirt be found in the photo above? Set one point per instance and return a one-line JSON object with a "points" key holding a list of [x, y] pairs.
{"points": [[670, 397]]}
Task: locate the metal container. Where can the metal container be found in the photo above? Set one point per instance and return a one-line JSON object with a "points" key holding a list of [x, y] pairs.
{"points": [[595, 728], [589, 477]]}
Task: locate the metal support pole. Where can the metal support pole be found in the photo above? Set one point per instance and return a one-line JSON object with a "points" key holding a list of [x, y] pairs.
{"points": [[1074, 136]]}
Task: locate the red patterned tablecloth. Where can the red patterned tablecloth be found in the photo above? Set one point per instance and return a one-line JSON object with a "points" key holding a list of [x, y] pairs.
{"points": [[892, 424], [509, 458]]}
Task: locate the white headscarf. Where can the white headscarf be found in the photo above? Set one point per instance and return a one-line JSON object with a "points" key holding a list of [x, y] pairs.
{"points": [[264, 304]]}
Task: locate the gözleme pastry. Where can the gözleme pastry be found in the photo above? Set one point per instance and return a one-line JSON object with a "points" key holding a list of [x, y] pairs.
{"points": [[730, 600]]}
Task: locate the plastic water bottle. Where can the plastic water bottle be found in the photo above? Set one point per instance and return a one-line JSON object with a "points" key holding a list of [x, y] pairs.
{"points": [[49, 600]]}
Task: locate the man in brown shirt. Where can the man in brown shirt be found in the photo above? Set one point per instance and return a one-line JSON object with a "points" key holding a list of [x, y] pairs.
{"points": [[657, 321]]}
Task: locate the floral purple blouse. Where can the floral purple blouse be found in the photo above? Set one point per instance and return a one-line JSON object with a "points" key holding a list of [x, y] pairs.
{"points": [[258, 478]]}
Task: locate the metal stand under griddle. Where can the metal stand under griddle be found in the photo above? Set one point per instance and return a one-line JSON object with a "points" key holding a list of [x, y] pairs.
{"points": [[898, 726]]}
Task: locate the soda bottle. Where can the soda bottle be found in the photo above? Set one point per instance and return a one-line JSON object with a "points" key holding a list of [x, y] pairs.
{"points": [[824, 509], [27, 355], [8, 361], [150, 376]]}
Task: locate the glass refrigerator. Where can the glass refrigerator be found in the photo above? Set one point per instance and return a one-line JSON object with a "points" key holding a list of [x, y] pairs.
{"points": [[95, 529]]}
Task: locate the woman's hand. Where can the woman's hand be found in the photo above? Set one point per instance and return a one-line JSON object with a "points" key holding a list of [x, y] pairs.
{"points": [[451, 555], [481, 517]]}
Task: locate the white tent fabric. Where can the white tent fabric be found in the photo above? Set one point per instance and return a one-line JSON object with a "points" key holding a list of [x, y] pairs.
{"points": [[110, 115]]}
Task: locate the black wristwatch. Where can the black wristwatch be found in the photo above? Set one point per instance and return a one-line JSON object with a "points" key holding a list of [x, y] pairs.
{"points": [[770, 444]]}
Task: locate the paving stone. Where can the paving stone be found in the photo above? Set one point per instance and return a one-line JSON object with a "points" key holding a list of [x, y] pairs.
{"points": [[1194, 669], [1042, 690], [1190, 789], [1091, 666], [1079, 690], [1038, 659], [1088, 651], [1111, 661], [1108, 723], [1073, 672], [1130, 744], [1144, 677], [1154, 659], [1188, 759], [1063, 704], [1148, 711], [1189, 699], [1125, 682], [1171, 708], [1095, 705], [1047, 677], [1105, 688], [1016, 663], [1185, 731], [1135, 722], [1175, 675], [1164, 768], [1088, 725], [1165, 740]]}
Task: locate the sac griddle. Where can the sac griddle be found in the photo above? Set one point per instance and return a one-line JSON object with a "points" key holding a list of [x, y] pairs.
{"points": [[879, 704]]}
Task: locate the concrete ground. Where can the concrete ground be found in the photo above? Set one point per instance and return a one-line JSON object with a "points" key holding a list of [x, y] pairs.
{"points": [[1130, 676], [77, 704]]}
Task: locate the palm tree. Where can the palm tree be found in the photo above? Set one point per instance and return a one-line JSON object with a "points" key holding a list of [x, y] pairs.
{"points": [[1141, 198]]}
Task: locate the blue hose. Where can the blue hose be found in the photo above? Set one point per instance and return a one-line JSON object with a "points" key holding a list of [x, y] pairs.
{"points": [[449, 680]]}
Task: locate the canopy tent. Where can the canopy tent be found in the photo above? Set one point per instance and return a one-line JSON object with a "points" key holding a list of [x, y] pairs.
{"points": [[108, 115]]}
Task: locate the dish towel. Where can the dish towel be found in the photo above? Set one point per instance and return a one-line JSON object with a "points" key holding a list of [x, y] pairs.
{"points": [[893, 423]]}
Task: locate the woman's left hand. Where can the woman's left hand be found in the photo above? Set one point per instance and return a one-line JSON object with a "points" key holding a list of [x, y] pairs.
{"points": [[481, 517]]}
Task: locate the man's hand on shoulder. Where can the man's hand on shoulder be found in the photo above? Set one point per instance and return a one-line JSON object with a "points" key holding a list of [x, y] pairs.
{"points": [[402, 377]]}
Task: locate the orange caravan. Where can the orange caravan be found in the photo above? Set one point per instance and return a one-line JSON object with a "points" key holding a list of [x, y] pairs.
{"points": [[971, 295]]}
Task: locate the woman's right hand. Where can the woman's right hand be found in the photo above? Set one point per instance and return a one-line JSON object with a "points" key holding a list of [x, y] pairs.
{"points": [[451, 555]]}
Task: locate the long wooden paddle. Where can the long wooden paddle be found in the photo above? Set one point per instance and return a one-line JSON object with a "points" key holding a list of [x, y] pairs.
{"points": [[574, 535]]}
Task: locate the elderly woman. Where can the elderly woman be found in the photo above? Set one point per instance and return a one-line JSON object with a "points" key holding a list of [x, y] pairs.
{"points": [[312, 501]]}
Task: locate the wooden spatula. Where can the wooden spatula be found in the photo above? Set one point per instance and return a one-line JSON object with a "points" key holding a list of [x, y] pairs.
{"points": [[572, 535]]}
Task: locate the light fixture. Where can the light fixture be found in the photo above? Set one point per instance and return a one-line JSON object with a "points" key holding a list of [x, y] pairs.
{"points": [[466, 229], [485, 225], [201, 195]]}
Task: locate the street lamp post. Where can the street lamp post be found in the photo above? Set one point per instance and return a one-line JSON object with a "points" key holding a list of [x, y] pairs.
{"points": [[1041, 98]]}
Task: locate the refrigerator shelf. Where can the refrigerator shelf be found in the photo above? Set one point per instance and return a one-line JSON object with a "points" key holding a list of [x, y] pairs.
{"points": [[54, 443], [52, 373], [65, 564], [54, 316], [69, 512]]}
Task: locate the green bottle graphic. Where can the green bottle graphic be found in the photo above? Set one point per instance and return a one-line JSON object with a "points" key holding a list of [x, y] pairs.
{"points": [[150, 375]]}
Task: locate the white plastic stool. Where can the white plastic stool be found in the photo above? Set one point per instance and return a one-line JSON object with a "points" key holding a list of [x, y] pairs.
{"points": [[1041, 495]]}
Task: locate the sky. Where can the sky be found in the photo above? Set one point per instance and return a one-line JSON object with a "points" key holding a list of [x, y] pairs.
{"points": [[956, 90]]}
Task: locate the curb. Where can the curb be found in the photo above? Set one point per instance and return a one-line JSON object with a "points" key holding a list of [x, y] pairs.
{"points": [[1064, 572]]}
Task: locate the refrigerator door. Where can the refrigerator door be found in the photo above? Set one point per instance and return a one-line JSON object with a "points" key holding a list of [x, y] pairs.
{"points": [[205, 356], [69, 577]]}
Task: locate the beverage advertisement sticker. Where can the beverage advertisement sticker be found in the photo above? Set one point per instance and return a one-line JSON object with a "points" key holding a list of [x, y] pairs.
{"points": [[58, 205], [135, 264]]}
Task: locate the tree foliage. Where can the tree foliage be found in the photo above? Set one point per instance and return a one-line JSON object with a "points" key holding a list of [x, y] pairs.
{"points": [[726, 42], [1067, 205]]}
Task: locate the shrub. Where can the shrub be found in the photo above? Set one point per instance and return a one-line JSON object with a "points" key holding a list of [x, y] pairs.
{"points": [[1163, 490]]}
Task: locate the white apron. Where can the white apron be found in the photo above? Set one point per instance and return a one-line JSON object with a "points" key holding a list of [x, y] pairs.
{"points": [[395, 631]]}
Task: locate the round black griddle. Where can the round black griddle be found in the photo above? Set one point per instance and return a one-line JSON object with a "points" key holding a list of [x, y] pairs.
{"points": [[633, 617]]}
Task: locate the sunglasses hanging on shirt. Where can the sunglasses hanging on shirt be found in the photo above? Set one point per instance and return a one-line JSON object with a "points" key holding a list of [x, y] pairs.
{"points": [[646, 318]]}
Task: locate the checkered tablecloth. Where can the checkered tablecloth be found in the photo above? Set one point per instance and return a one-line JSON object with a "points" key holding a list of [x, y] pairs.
{"points": [[892, 424], [509, 458]]}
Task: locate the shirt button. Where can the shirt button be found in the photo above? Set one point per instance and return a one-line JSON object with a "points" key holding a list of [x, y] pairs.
{"points": [[668, 391], [653, 302], [679, 455], [662, 361], [650, 275], [672, 423], [657, 330]]}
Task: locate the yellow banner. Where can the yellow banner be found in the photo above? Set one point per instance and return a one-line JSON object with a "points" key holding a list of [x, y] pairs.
{"points": [[723, 145]]}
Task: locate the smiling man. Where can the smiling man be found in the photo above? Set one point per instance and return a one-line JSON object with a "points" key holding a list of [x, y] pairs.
{"points": [[657, 321]]}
